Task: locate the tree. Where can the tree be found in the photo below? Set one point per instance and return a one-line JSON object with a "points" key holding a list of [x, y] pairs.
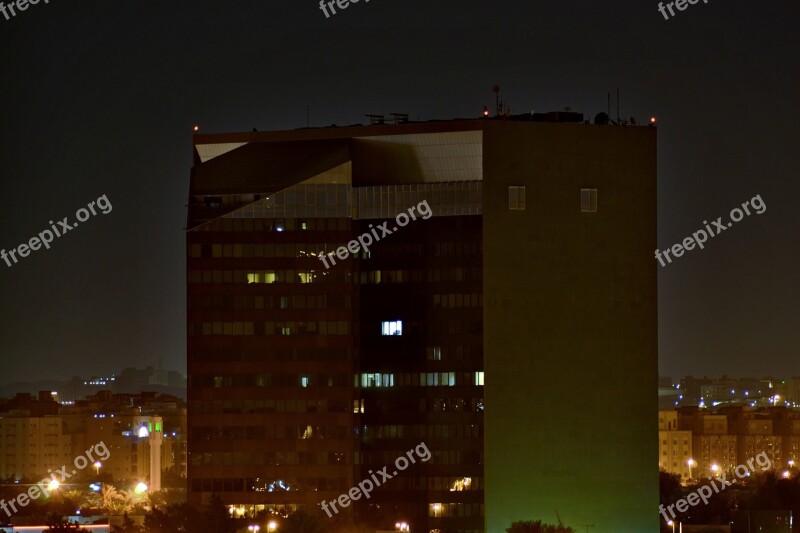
{"points": [[217, 518], [669, 487], [173, 478], [128, 526], [531, 526], [157, 521], [302, 521]]}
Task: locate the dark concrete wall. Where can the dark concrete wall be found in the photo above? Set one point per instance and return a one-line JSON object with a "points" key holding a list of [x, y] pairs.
{"points": [[571, 327]]}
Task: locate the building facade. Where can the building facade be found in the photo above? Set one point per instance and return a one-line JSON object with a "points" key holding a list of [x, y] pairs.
{"points": [[516, 250]]}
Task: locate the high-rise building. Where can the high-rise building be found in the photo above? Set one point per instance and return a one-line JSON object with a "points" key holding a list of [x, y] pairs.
{"points": [[514, 252]]}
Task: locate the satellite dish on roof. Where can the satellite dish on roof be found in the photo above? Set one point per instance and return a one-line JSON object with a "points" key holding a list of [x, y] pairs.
{"points": [[601, 118]]}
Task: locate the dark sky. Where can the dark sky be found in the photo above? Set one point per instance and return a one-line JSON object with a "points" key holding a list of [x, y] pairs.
{"points": [[99, 97]]}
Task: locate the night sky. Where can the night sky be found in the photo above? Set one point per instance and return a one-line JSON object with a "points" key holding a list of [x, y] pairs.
{"points": [[99, 97]]}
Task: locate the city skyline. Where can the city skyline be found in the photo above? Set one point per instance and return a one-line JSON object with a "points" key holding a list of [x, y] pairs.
{"points": [[79, 123]]}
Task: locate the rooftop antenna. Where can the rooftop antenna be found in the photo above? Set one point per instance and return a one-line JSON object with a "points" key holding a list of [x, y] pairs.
{"points": [[587, 526], [617, 105], [308, 115], [496, 90]]}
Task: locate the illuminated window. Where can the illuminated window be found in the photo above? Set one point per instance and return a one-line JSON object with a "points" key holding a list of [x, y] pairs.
{"points": [[479, 378], [588, 200], [392, 327], [304, 381], [516, 198], [377, 380]]}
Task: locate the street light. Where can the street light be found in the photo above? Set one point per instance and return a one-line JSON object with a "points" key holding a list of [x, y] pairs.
{"points": [[715, 468], [140, 488], [253, 528], [402, 526], [97, 466], [691, 463], [272, 525], [671, 523], [53, 485]]}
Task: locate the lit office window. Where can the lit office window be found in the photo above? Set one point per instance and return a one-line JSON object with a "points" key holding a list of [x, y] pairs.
{"points": [[479, 378], [392, 327], [434, 353], [376, 380], [516, 198], [261, 276], [588, 200]]}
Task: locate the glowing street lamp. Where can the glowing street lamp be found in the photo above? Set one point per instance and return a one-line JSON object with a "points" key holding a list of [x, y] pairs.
{"points": [[691, 463], [272, 525], [671, 523], [97, 467], [402, 526], [141, 488], [715, 468], [53, 485], [253, 528]]}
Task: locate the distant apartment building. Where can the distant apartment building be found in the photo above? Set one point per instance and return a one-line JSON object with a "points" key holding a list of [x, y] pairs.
{"points": [[787, 424], [134, 443], [30, 446], [712, 444], [755, 434], [729, 436], [32, 437], [674, 445], [531, 277], [37, 435]]}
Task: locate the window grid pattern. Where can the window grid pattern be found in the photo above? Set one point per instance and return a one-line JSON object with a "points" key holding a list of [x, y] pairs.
{"points": [[444, 199], [305, 200]]}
